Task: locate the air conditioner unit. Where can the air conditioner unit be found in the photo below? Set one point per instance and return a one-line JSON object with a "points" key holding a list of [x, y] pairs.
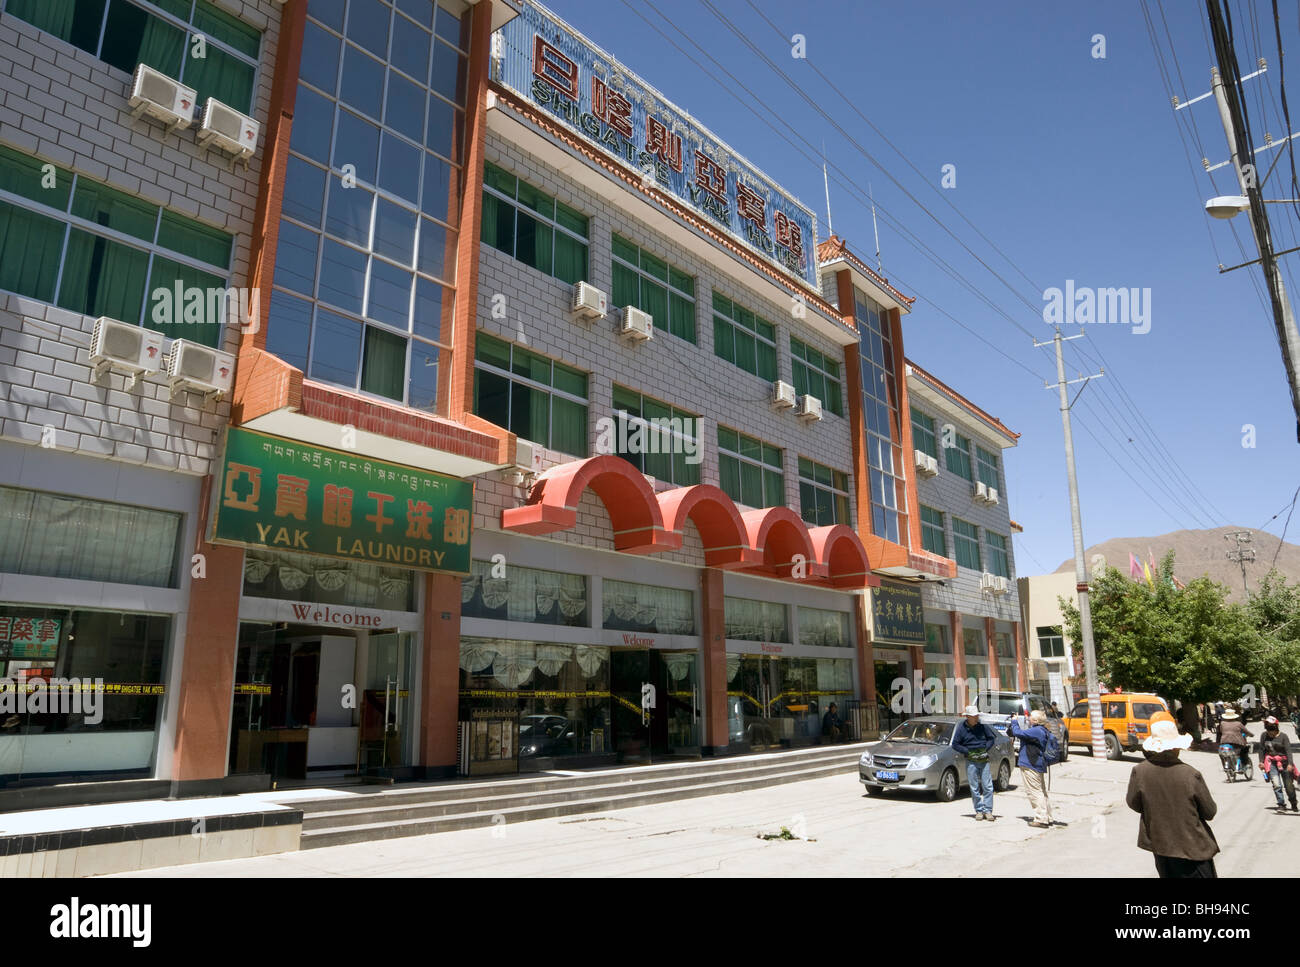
{"points": [[589, 301], [981, 491], [124, 348], [999, 585], [637, 324], [926, 465], [932, 465], [527, 465], [987, 581], [232, 132], [993, 495], [783, 395], [200, 369], [159, 96], [810, 408]]}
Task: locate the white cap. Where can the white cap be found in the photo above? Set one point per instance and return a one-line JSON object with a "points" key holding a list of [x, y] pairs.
{"points": [[972, 710]]}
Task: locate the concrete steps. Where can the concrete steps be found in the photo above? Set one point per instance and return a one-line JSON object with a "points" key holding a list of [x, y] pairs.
{"points": [[441, 807]]}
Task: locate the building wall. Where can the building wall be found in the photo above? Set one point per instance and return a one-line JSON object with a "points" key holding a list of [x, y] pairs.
{"points": [[1040, 603], [667, 368], [65, 106]]}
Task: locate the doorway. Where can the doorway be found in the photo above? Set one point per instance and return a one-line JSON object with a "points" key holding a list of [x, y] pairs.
{"points": [[672, 725], [315, 703]]}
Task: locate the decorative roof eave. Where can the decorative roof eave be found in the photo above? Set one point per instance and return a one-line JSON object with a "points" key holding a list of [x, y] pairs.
{"points": [[933, 382], [632, 181], [834, 251]]}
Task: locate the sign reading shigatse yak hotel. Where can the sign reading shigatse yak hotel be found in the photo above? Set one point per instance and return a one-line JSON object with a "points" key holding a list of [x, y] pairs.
{"points": [[544, 60], [293, 496]]}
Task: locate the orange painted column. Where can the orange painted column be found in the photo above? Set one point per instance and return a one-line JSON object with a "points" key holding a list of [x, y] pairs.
{"points": [[958, 656], [439, 677], [989, 630], [866, 655], [713, 634], [908, 499], [1022, 678], [206, 691]]}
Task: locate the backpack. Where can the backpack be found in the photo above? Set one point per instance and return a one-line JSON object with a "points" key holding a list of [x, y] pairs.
{"points": [[1051, 750]]}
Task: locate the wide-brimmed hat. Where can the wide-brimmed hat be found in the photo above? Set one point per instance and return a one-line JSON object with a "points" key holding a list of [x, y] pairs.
{"points": [[1164, 737], [971, 710], [1229, 715]]}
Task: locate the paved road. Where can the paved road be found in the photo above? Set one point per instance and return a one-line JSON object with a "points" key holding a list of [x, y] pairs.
{"points": [[844, 834]]}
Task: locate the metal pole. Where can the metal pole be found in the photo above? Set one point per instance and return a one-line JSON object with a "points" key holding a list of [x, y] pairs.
{"points": [[1080, 568]]}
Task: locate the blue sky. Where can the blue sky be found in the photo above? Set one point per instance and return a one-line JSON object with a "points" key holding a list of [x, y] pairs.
{"points": [[1070, 164]]}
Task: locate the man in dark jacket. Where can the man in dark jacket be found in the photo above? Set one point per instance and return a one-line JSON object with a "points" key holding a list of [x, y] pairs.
{"points": [[1175, 806], [1275, 762], [1033, 766], [975, 741], [832, 724]]}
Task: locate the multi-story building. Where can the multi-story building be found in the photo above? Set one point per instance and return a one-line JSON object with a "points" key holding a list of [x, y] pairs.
{"points": [[554, 434], [972, 618], [1053, 669]]}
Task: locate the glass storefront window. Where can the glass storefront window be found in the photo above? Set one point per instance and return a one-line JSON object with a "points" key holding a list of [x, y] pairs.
{"points": [[525, 594], [821, 627], [49, 535], [648, 608], [973, 642], [772, 700], [561, 692], [54, 716], [750, 620], [325, 580], [1002, 643], [940, 695], [936, 640]]}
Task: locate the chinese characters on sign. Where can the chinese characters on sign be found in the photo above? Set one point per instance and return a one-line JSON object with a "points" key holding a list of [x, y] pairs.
{"points": [[584, 89], [27, 636], [282, 493], [899, 614]]}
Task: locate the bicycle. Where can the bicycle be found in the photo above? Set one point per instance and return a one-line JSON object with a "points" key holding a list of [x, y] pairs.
{"points": [[1242, 765]]}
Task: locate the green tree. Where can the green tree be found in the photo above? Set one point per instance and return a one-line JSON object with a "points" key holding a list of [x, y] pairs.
{"points": [[1181, 643], [1274, 611]]}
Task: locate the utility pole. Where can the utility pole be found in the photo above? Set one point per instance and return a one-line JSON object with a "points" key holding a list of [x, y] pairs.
{"points": [[1241, 553], [1080, 568], [1230, 113]]}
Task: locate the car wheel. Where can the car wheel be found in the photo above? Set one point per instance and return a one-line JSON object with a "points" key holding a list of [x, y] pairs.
{"points": [[1003, 782], [874, 790], [948, 786], [1113, 751]]}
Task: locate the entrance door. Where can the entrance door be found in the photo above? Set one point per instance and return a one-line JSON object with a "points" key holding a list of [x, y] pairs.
{"points": [[673, 722], [384, 670], [887, 675]]}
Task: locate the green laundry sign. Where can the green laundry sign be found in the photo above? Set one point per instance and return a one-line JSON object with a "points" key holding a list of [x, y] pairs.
{"points": [[288, 495]]}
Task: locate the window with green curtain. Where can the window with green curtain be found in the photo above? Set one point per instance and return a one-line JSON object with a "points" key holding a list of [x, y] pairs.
{"points": [[537, 398], [744, 339], [997, 545], [133, 36], [923, 438], [932, 535], [196, 240], [228, 29], [30, 245], [652, 285], [675, 437], [986, 467], [24, 175], [957, 458], [218, 74], [750, 471], [823, 494], [533, 227], [383, 364], [198, 321], [966, 544], [115, 209], [816, 374], [76, 21], [103, 278]]}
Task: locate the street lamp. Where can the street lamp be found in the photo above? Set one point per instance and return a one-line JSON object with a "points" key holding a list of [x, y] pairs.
{"points": [[1227, 206]]}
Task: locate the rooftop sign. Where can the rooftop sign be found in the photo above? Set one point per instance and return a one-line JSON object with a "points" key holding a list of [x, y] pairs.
{"points": [[545, 61]]}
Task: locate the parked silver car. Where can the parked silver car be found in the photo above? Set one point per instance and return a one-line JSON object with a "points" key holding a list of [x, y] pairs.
{"points": [[919, 755]]}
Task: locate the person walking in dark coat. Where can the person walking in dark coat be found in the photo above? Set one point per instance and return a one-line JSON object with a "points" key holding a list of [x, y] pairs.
{"points": [[1275, 762], [1175, 807], [975, 741]]}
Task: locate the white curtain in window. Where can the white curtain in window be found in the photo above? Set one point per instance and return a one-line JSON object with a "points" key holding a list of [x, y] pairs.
{"points": [[551, 658], [89, 540], [515, 663], [752, 620], [476, 654], [671, 611], [679, 664], [468, 586], [733, 667], [590, 659]]}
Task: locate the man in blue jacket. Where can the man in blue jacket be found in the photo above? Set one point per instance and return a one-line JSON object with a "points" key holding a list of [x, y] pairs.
{"points": [[975, 741], [1033, 768]]}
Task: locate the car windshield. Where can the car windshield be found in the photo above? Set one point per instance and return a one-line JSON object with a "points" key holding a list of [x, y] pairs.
{"points": [[1009, 705], [920, 730]]}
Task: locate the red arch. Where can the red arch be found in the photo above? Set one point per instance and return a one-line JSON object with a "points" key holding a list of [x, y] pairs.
{"points": [[629, 500], [840, 549], [780, 534], [722, 531]]}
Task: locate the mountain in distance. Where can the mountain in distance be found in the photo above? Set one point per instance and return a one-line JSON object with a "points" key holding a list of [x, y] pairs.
{"points": [[1202, 552]]}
